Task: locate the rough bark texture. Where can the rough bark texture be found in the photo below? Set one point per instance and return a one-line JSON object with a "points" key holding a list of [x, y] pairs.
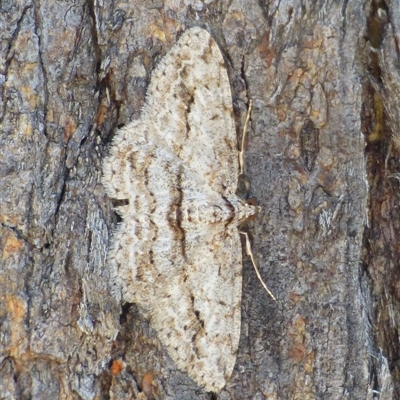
{"points": [[322, 157]]}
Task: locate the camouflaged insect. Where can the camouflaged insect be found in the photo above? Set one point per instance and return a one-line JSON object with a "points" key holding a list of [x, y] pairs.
{"points": [[177, 253]]}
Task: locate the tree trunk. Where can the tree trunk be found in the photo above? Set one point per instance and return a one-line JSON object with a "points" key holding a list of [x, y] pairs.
{"points": [[322, 157]]}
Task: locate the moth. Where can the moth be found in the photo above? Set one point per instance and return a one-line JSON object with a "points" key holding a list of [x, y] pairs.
{"points": [[177, 253]]}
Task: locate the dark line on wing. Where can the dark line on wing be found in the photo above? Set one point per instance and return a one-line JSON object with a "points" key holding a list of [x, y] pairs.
{"points": [[155, 230], [199, 319], [188, 100], [179, 213]]}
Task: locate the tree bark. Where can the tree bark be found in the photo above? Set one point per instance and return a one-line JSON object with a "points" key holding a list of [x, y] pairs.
{"points": [[322, 158]]}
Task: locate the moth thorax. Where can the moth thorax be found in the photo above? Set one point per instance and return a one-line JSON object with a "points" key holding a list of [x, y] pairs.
{"points": [[246, 212], [205, 213], [242, 210]]}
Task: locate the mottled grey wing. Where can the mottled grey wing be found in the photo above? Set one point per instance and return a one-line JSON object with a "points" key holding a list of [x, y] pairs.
{"points": [[194, 307], [189, 103]]}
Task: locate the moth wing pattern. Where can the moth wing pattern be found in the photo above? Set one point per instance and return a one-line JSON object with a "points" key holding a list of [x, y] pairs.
{"points": [[200, 126], [175, 254]]}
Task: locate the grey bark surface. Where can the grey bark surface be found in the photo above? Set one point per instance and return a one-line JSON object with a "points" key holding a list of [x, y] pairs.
{"points": [[322, 158]]}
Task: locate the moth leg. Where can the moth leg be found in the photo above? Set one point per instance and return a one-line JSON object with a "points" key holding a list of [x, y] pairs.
{"points": [[241, 152], [250, 254]]}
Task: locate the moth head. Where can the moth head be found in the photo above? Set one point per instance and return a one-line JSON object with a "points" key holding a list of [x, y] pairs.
{"points": [[247, 210], [255, 207]]}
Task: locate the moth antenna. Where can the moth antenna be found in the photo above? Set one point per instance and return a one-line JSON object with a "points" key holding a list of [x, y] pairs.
{"points": [[250, 254], [241, 152]]}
